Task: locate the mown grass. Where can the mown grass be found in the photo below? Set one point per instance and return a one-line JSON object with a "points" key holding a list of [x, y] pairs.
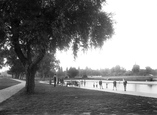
{"points": [[49, 100], [7, 82]]}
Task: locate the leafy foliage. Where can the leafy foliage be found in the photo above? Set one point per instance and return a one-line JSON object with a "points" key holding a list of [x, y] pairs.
{"points": [[52, 24], [72, 72], [116, 71], [136, 69], [149, 70], [47, 65], [33, 27], [61, 73], [17, 68]]}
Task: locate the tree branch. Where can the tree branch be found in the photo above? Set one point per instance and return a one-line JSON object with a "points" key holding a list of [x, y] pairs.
{"points": [[38, 58], [15, 42]]}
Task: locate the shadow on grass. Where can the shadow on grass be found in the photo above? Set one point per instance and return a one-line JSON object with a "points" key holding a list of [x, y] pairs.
{"points": [[7, 82], [60, 100]]}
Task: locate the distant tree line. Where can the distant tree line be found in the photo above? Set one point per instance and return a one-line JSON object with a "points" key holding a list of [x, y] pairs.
{"points": [[49, 62], [114, 71]]}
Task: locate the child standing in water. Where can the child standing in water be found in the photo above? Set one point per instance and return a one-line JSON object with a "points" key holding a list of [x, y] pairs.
{"points": [[114, 85], [124, 83], [100, 84]]}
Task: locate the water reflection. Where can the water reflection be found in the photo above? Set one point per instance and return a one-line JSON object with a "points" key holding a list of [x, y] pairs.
{"points": [[135, 87]]}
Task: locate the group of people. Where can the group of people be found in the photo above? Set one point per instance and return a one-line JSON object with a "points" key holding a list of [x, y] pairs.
{"points": [[115, 84], [57, 80], [95, 85], [82, 83]]}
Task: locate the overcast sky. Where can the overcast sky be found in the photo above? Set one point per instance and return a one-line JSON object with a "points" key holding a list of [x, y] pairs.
{"points": [[134, 41]]}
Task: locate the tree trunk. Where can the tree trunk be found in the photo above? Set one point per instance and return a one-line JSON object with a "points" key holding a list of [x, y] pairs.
{"points": [[28, 60], [30, 79]]}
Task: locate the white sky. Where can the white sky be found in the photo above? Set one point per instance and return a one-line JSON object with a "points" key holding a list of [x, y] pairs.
{"points": [[134, 41]]}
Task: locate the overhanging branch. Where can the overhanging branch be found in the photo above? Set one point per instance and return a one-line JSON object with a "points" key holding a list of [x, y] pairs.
{"points": [[38, 58], [17, 48]]}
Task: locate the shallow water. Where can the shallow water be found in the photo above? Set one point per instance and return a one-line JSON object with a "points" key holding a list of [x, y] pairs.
{"points": [[131, 86]]}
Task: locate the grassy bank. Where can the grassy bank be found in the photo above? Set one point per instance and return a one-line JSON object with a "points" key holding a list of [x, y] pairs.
{"points": [[7, 82], [48, 100]]}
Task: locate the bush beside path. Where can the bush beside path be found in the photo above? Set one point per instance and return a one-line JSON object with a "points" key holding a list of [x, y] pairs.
{"points": [[49, 100]]}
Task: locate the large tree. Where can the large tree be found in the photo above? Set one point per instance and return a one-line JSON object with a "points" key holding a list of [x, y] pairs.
{"points": [[17, 70], [136, 69], [149, 70], [47, 65], [31, 27], [72, 72]]}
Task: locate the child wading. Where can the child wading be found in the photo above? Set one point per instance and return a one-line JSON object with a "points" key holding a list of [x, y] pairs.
{"points": [[94, 85], [114, 85], [106, 85], [124, 83], [100, 84]]}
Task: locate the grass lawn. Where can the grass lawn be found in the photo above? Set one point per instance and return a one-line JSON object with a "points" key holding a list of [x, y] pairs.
{"points": [[48, 100], [7, 82]]}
